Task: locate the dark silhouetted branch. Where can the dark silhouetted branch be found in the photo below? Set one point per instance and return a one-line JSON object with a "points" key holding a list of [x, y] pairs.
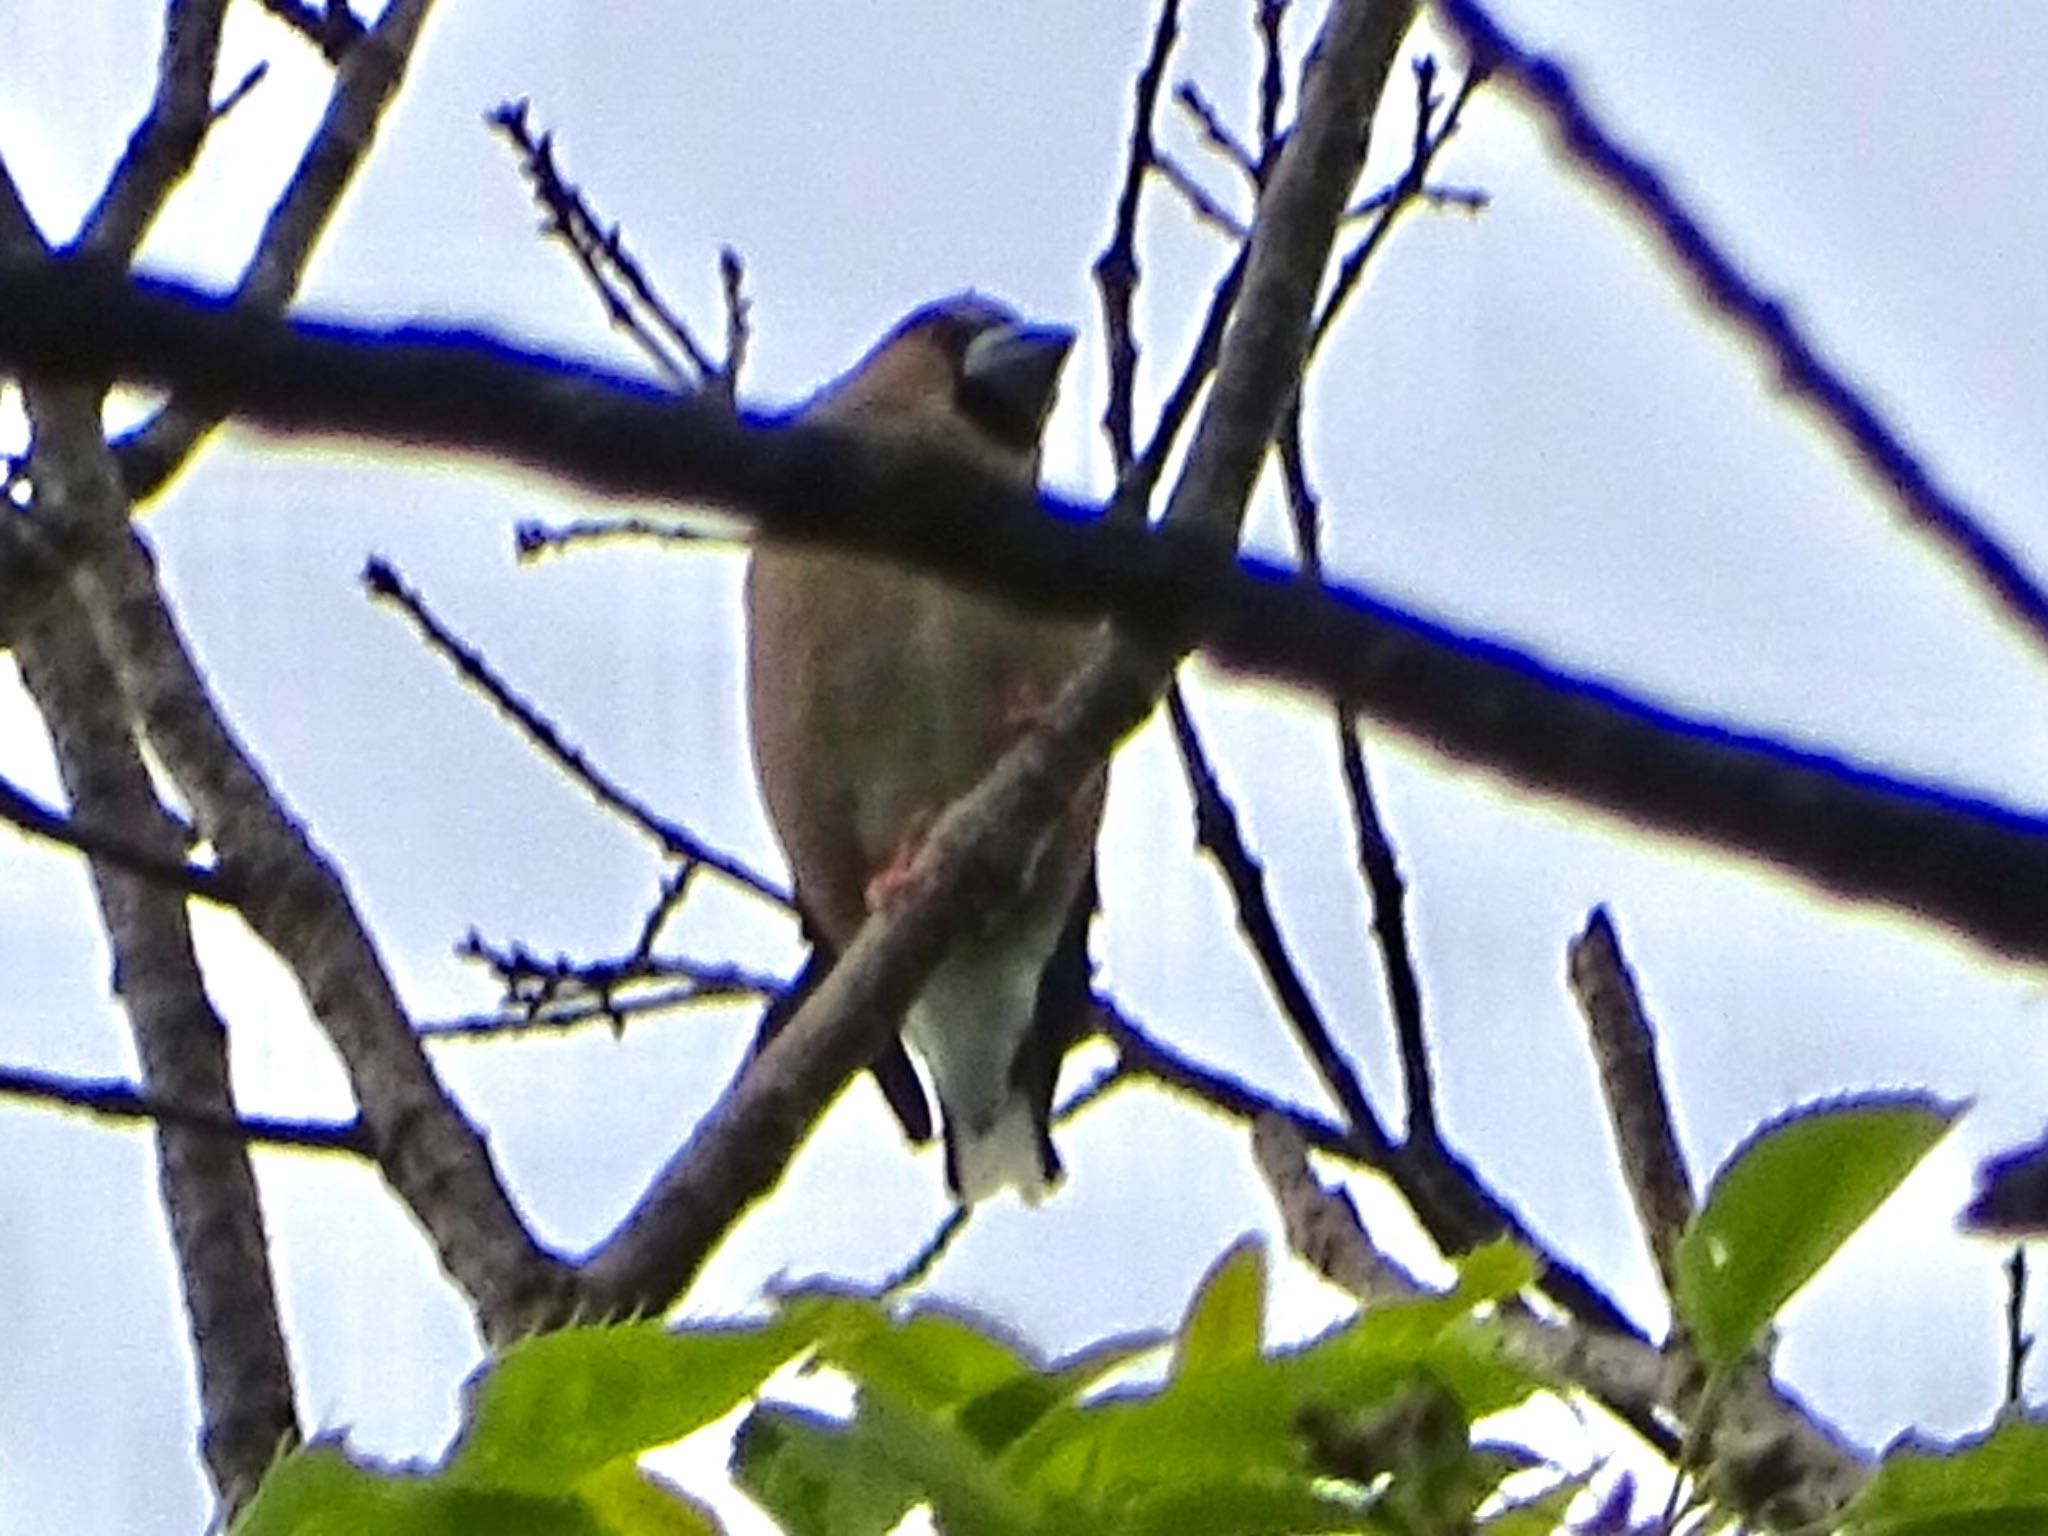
{"points": [[1799, 367], [1977, 867]]}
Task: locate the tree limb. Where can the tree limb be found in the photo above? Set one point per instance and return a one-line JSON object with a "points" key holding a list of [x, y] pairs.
{"points": [[1976, 867]]}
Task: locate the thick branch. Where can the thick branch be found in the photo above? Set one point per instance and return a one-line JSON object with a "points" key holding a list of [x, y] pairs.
{"points": [[297, 902], [1977, 867], [205, 1180], [369, 68]]}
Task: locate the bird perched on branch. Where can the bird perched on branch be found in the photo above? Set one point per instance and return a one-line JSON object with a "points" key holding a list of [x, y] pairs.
{"points": [[878, 695]]}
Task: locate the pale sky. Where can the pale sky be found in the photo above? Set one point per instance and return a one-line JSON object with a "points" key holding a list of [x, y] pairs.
{"points": [[1525, 428]]}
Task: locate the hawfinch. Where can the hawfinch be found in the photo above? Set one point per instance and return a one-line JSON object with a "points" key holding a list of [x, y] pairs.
{"points": [[879, 695]]}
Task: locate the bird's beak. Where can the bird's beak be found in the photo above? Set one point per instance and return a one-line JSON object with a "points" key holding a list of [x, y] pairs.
{"points": [[1010, 371]]}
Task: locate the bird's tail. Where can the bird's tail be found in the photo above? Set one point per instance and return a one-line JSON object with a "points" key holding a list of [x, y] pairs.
{"points": [[1010, 1150]]}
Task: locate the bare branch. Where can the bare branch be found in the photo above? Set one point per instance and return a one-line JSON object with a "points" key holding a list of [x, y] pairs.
{"points": [[30, 815], [113, 1099], [1206, 209], [602, 255], [1389, 894], [1384, 886], [531, 540], [1413, 188], [1625, 1051], [917, 1268], [1457, 1210], [331, 26], [369, 69], [18, 232], [164, 145], [1116, 269], [732, 278], [2019, 1343], [210, 1200], [562, 994], [1216, 134], [296, 901], [385, 584], [561, 1016], [241, 93], [1800, 369], [1977, 867], [1217, 832], [1299, 210], [1272, 17]]}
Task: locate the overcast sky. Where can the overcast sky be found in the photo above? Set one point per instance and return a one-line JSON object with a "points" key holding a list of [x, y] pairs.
{"points": [[1525, 428]]}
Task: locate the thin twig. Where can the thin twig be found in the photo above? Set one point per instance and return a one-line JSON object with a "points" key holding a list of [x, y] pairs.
{"points": [[2019, 1343], [1116, 269], [1206, 209], [1389, 895], [1464, 199], [385, 584], [369, 65], [1133, 500], [1272, 17], [918, 1267], [1218, 833], [165, 145], [564, 994], [331, 26], [239, 94], [1216, 134], [1385, 888], [1429, 140], [601, 253], [561, 1017], [732, 277], [30, 815], [1455, 1207], [114, 1099], [532, 540], [675, 890]]}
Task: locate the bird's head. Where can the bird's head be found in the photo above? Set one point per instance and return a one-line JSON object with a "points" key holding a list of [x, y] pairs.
{"points": [[966, 372]]}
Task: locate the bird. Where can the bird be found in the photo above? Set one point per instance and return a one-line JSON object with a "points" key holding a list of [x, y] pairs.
{"points": [[878, 694]]}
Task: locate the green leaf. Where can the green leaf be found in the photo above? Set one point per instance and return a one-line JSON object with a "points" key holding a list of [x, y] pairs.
{"points": [[1493, 1272], [937, 1357], [556, 1408], [1215, 1508], [320, 1492], [1226, 1321], [1784, 1205], [1244, 1416], [630, 1499], [834, 1475], [1542, 1515], [1986, 1487], [815, 1475], [1087, 1367]]}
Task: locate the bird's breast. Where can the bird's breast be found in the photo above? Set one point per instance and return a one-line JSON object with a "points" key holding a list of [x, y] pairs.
{"points": [[880, 695]]}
